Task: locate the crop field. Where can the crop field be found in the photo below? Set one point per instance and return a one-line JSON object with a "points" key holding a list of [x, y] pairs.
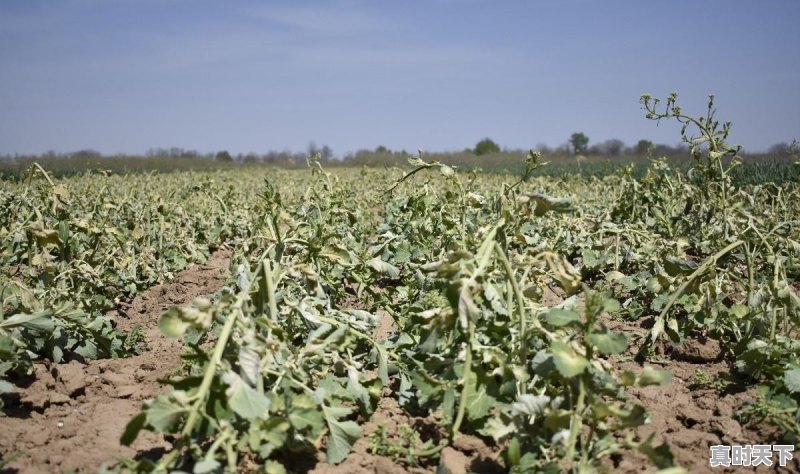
{"points": [[407, 319]]}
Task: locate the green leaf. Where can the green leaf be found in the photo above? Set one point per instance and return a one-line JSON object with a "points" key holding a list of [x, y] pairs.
{"points": [[608, 342], [341, 434], [307, 418], [568, 363], [88, 350], [791, 378], [478, 401], [167, 411], [561, 317], [244, 400]]}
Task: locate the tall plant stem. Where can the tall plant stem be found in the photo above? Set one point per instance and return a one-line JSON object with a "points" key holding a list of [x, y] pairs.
{"points": [[659, 323]]}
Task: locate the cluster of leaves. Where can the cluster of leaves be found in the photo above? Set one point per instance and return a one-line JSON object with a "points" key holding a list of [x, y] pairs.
{"points": [[284, 363], [73, 249]]}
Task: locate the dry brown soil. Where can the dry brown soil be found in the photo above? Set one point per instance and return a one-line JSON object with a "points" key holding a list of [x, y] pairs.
{"points": [[690, 417], [71, 415]]}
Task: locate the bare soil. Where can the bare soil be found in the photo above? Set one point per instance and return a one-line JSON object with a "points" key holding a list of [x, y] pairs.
{"points": [[687, 415], [71, 416]]}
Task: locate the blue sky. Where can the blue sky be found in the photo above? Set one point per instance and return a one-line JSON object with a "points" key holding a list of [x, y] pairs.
{"points": [[127, 75]]}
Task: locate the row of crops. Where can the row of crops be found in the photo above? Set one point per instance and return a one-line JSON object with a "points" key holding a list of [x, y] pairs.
{"points": [[284, 361], [73, 249]]}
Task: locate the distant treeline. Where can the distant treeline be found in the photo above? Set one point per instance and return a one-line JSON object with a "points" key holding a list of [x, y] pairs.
{"points": [[777, 165]]}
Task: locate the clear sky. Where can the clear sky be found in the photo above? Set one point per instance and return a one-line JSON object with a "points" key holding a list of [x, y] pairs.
{"points": [[127, 75]]}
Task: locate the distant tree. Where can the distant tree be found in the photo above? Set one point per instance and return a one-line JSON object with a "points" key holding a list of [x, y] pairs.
{"points": [[250, 158], [780, 149], [86, 154], [579, 142], [486, 147], [613, 147], [382, 149], [326, 153], [312, 149], [643, 147], [223, 156]]}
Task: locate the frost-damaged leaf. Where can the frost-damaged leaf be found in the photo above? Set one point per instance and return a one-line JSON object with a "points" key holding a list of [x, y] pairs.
{"points": [[383, 364], [176, 321], [491, 295], [357, 391], [243, 399], [384, 267], [649, 376], [739, 310], [41, 321], [466, 304], [608, 342], [341, 434], [530, 405], [338, 254], [205, 466], [497, 429], [43, 236], [249, 362], [274, 467], [545, 203], [791, 378], [568, 363]]}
